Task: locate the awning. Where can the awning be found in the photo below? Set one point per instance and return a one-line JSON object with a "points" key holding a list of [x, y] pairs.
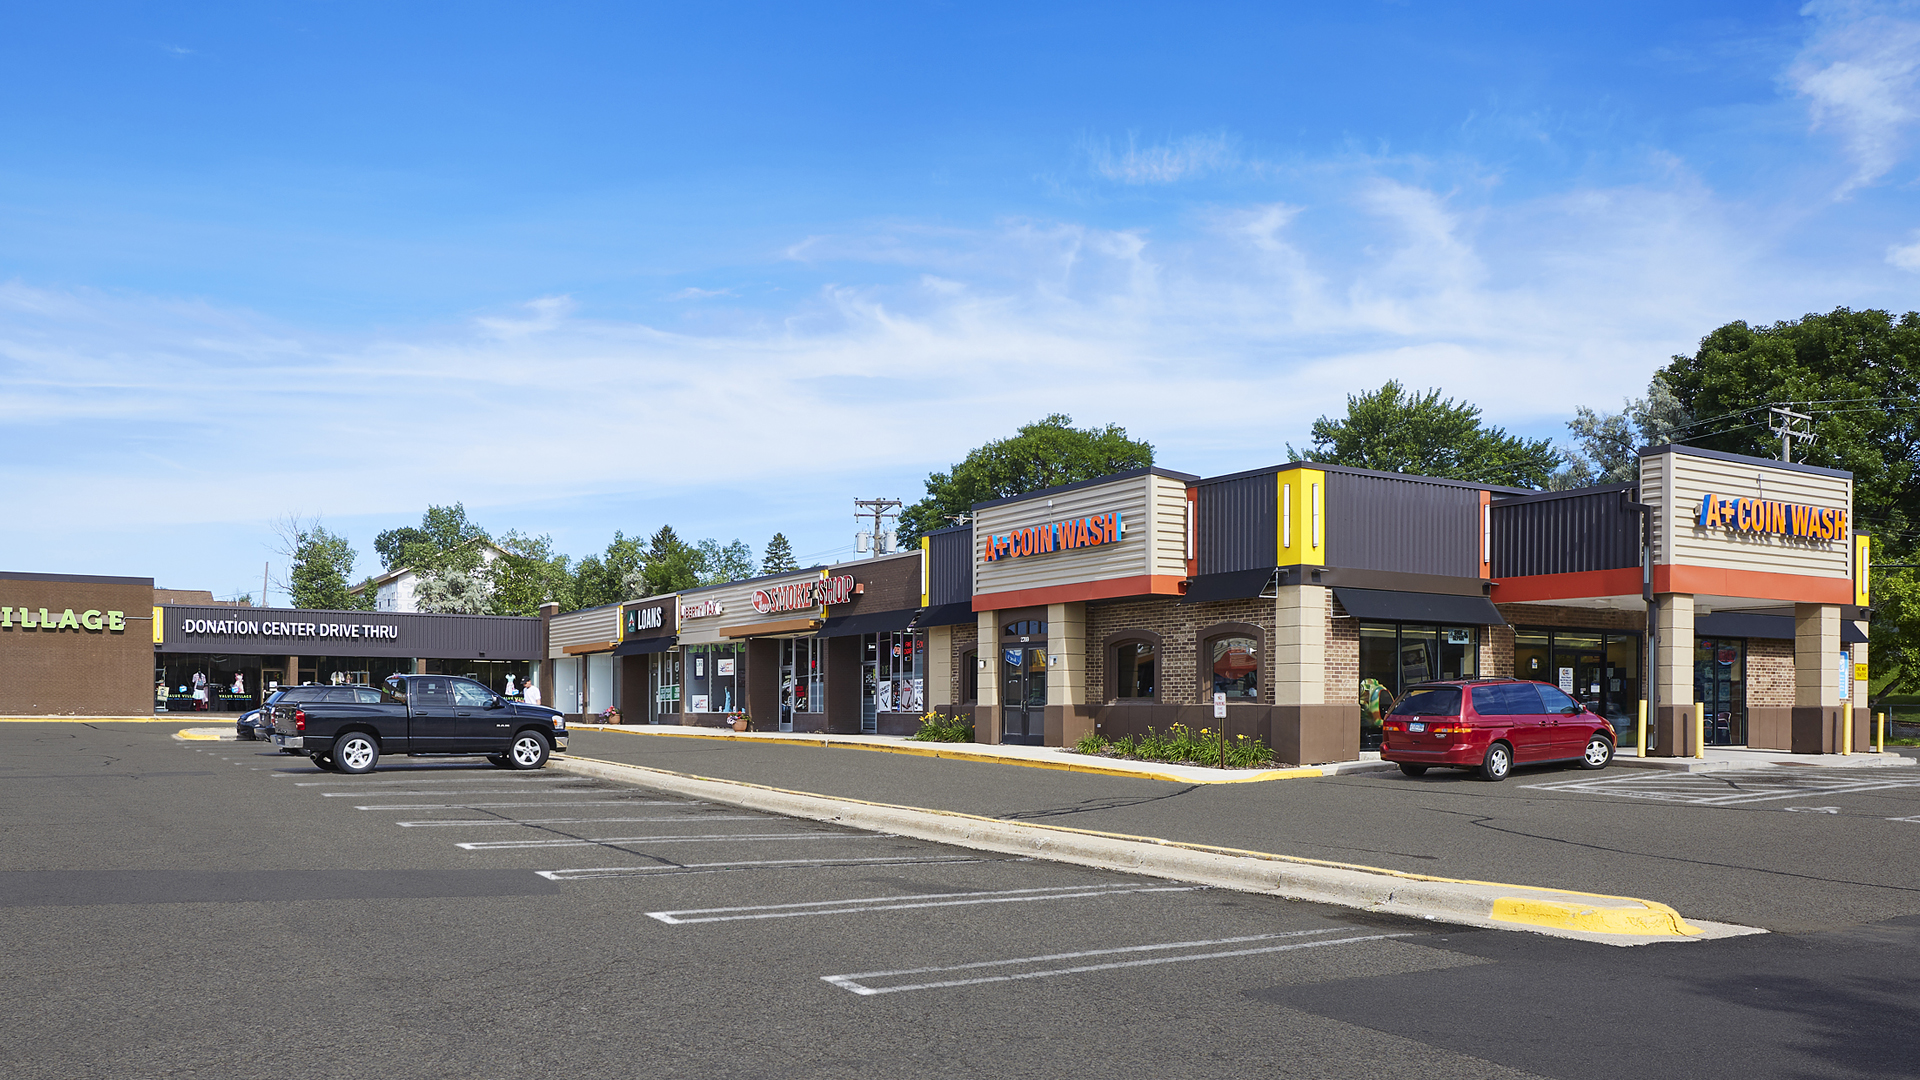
{"points": [[1852, 633], [643, 646], [947, 615], [876, 622], [1744, 624], [1419, 607], [1232, 585]]}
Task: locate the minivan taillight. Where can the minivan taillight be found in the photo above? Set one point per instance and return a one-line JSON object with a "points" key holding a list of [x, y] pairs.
{"points": [[299, 719]]}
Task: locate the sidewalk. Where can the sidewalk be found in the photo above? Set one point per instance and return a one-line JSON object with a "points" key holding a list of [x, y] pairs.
{"points": [[1038, 757], [1737, 758]]}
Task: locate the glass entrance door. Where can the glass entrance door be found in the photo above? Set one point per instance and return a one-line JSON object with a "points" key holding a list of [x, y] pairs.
{"points": [[1720, 684], [1023, 688]]}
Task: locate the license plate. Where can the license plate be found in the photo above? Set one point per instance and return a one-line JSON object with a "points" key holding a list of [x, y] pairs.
{"points": [[1416, 727]]}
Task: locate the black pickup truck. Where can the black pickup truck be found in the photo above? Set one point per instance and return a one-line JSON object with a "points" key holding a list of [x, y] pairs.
{"points": [[352, 726]]}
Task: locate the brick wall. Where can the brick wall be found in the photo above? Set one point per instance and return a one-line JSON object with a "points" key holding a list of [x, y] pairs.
{"points": [[1343, 655], [965, 637], [77, 671], [1178, 625], [1769, 672]]}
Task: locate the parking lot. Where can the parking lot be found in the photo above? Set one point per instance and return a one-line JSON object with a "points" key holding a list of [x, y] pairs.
{"points": [[221, 910]]}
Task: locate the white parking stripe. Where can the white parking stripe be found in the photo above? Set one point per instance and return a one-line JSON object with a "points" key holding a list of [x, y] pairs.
{"points": [[706, 838], [592, 872], [469, 791], [899, 903], [1729, 789], [572, 820], [491, 778], [851, 982], [515, 805]]}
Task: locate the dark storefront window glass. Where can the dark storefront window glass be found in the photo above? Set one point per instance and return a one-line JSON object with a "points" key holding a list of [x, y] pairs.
{"points": [[1720, 686], [1134, 663], [1599, 669], [1395, 656], [803, 678], [206, 682], [970, 675], [712, 674], [1236, 668]]}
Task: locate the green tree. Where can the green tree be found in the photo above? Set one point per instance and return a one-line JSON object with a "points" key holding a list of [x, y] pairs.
{"points": [[618, 574], [672, 564], [778, 558], [528, 573], [1608, 445], [320, 564], [1857, 373], [1043, 454], [392, 544], [719, 565], [1395, 431]]}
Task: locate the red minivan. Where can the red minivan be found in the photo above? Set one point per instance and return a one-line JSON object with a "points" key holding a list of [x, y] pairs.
{"points": [[1491, 725]]}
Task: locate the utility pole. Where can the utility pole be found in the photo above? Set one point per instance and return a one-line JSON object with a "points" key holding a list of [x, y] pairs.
{"points": [[878, 509], [1783, 426], [264, 567]]}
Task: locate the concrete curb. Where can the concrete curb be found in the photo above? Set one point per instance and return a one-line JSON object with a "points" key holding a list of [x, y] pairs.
{"points": [[953, 752], [206, 734], [1615, 920]]}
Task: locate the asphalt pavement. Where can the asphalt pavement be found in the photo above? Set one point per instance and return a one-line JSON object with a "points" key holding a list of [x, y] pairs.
{"points": [[1781, 848], [220, 910]]}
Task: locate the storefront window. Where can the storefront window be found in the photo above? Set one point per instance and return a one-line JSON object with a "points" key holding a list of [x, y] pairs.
{"points": [[664, 682], [1599, 669], [970, 675], [713, 680], [508, 678], [1395, 656], [205, 682], [802, 678], [1720, 686], [1236, 668], [1135, 665], [899, 671]]}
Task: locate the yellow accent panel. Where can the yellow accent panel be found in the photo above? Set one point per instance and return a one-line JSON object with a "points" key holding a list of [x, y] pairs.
{"points": [[1645, 917], [1301, 538], [1862, 570], [926, 571], [159, 632]]}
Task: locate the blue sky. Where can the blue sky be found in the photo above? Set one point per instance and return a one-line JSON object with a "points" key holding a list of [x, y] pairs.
{"points": [[590, 267]]}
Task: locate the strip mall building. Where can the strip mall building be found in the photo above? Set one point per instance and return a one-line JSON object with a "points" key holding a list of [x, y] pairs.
{"points": [[1132, 601]]}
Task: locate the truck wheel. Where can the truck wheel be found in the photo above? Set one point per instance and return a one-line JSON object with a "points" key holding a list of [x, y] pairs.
{"points": [[529, 750], [356, 753]]}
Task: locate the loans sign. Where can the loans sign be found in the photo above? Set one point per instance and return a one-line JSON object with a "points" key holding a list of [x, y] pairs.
{"points": [[1769, 518], [1081, 532]]}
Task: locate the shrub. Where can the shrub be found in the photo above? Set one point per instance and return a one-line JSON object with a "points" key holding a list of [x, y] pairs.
{"points": [[1181, 745], [943, 727]]}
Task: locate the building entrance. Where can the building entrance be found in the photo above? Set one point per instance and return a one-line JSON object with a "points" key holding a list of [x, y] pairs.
{"points": [[1023, 710], [1720, 684]]}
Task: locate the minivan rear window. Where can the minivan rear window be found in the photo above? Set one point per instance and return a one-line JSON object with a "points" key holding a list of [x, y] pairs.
{"points": [[1439, 701]]}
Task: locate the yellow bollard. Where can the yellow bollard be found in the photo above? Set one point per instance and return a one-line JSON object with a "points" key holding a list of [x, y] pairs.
{"points": [[1846, 731], [1880, 735], [1699, 729], [1639, 727]]}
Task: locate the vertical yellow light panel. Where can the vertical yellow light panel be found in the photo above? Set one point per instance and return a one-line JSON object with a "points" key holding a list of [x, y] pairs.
{"points": [[1302, 539], [159, 626], [1862, 567]]}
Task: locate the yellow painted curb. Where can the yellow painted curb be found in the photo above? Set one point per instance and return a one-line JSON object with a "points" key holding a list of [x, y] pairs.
{"points": [[196, 736], [1646, 917], [938, 750], [1619, 915]]}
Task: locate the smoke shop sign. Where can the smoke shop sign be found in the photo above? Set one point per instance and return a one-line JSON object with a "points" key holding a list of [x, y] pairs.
{"points": [[49, 619], [268, 629], [1081, 532], [1768, 518], [802, 595]]}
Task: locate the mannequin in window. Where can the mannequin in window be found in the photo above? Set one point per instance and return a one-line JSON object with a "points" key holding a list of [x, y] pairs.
{"points": [[199, 690], [510, 690]]}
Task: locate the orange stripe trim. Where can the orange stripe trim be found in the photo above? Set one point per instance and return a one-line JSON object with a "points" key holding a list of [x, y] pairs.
{"points": [[1587, 583], [1715, 581], [1111, 588]]}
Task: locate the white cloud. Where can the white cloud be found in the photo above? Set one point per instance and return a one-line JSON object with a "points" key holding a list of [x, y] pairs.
{"points": [[1167, 163], [1860, 69], [1906, 256]]}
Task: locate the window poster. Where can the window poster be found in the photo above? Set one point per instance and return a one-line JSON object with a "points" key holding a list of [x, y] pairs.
{"points": [[1414, 663], [723, 666], [699, 703], [699, 671], [1566, 681]]}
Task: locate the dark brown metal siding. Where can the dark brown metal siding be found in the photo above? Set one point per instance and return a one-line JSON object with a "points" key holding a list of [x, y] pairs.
{"points": [[1564, 534], [1406, 526], [446, 637], [1234, 524], [950, 567]]}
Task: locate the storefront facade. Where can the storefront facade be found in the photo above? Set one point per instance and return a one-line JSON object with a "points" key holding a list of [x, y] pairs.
{"points": [[228, 659], [76, 645]]}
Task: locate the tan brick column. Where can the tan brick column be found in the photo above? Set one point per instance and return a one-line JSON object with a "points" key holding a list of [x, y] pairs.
{"points": [[986, 714], [1673, 672], [1066, 673], [939, 668], [1816, 679]]}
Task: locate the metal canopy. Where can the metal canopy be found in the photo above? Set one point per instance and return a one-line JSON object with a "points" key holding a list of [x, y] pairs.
{"points": [[1419, 607]]}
